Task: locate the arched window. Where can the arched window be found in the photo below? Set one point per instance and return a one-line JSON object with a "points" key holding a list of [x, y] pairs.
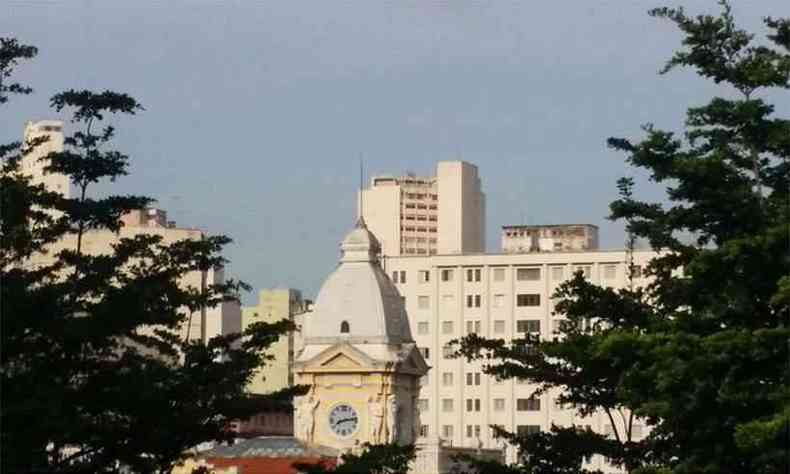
{"points": [[344, 327]]}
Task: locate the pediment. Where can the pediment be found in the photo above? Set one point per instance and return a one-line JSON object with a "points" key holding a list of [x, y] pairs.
{"points": [[340, 361]]}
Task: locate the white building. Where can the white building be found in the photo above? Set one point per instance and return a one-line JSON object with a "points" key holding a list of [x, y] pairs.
{"points": [[443, 214], [33, 166], [496, 296]]}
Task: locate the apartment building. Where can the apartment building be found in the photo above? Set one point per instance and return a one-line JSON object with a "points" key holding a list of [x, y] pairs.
{"points": [[549, 238], [225, 318], [496, 296], [33, 166], [442, 214], [275, 305]]}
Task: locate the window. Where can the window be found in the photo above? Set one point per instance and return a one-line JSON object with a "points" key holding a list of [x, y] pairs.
{"points": [[636, 271], [403, 300], [447, 352], [395, 277], [557, 273], [528, 299], [447, 405], [447, 274], [585, 269], [526, 430], [528, 404], [472, 404], [499, 274], [610, 272], [447, 431], [528, 274], [424, 431], [426, 353], [472, 301], [473, 274], [422, 405], [447, 327], [473, 327], [499, 404], [447, 379], [472, 431], [344, 328], [403, 276], [448, 300], [499, 326], [473, 378], [422, 327], [423, 302], [424, 276], [499, 301], [528, 325]]}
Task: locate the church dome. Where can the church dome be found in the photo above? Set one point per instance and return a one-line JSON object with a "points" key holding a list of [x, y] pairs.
{"points": [[358, 303]]}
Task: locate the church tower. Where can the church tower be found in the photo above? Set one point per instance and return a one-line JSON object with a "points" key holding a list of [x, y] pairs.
{"points": [[358, 357]]}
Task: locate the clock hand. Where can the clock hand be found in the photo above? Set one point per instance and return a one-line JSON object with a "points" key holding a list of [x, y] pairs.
{"points": [[353, 418]]}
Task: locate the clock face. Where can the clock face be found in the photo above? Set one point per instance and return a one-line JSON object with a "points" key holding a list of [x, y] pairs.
{"points": [[343, 420]]}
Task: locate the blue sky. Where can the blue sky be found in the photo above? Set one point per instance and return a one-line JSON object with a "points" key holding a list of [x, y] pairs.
{"points": [[257, 112]]}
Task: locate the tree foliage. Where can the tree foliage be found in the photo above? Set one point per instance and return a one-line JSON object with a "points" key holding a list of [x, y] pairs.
{"points": [[700, 354], [97, 375]]}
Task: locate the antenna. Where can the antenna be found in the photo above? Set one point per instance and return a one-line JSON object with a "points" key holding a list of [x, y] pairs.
{"points": [[361, 184]]}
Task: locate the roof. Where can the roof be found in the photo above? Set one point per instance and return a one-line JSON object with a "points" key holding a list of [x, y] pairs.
{"points": [[358, 298], [270, 447]]}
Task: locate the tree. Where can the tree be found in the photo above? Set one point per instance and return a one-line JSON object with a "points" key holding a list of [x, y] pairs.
{"points": [[96, 376], [701, 354], [374, 459]]}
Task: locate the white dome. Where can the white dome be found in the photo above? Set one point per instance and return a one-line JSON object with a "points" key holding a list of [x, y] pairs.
{"points": [[358, 303]]}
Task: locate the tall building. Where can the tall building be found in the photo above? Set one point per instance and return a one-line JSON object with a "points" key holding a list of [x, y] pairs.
{"points": [[225, 318], [443, 214], [549, 238], [275, 305], [33, 166], [496, 296]]}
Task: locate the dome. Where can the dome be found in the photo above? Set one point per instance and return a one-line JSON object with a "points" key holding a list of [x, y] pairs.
{"points": [[358, 303]]}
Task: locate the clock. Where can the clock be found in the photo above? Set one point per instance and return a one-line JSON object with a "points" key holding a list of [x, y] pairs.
{"points": [[343, 420]]}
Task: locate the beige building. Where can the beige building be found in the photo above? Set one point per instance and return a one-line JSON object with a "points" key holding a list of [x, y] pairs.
{"points": [[225, 318], [549, 238], [275, 305], [496, 296], [443, 214], [31, 163]]}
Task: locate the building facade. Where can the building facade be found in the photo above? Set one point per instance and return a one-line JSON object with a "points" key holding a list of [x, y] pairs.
{"points": [[225, 318], [496, 296], [32, 165], [275, 305], [443, 214], [549, 238]]}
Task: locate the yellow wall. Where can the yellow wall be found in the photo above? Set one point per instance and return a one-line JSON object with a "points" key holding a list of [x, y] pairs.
{"points": [[274, 305]]}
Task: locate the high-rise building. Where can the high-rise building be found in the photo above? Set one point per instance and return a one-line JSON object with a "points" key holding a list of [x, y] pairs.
{"points": [[443, 214], [225, 318], [275, 305], [502, 296], [32, 163]]}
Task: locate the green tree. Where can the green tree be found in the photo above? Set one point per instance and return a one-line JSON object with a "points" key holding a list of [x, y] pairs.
{"points": [[95, 374], [701, 354]]}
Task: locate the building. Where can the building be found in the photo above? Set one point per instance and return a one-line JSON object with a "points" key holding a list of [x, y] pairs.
{"points": [[443, 214], [32, 165], [362, 365], [496, 296], [225, 318], [275, 305], [549, 238]]}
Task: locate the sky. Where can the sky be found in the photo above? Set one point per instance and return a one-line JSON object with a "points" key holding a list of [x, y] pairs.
{"points": [[257, 112]]}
